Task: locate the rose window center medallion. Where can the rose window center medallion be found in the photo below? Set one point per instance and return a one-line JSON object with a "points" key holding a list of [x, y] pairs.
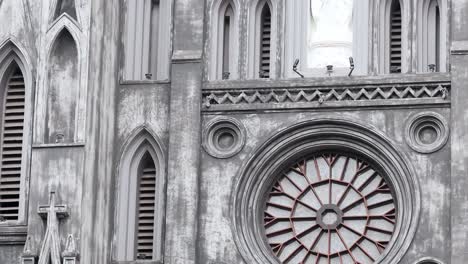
{"points": [[330, 208]]}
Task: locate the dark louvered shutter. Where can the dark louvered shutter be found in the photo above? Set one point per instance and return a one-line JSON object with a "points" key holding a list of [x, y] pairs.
{"points": [[146, 206], [395, 37], [265, 42], [12, 142], [228, 24]]}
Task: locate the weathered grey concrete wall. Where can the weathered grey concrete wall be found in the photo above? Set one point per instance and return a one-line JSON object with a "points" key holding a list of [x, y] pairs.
{"points": [[219, 175], [459, 157], [199, 224]]}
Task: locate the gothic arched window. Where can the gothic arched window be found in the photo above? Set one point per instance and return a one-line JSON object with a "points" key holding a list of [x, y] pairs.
{"points": [[393, 50], [15, 133], [146, 40], [140, 211], [262, 36], [431, 36], [265, 42], [223, 49], [227, 38], [395, 31], [12, 138]]}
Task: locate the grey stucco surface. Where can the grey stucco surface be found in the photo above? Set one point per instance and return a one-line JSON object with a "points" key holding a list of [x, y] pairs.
{"points": [[199, 191]]}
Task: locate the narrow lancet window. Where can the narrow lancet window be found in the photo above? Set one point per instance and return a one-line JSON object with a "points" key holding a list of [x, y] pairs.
{"points": [[265, 42], [146, 208], [11, 145], [433, 37], [141, 40], [395, 37], [141, 202], [227, 37]]}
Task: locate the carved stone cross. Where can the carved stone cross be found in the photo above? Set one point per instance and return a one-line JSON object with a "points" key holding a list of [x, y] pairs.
{"points": [[50, 250]]}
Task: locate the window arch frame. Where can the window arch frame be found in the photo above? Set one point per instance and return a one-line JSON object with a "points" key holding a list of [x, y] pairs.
{"points": [[383, 10], [77, 31], [215, 66], [12, 55], [143, 141], [422, 19], [163, 52], [254, 28], [328, 132]]}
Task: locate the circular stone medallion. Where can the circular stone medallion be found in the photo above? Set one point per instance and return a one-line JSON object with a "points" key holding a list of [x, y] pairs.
{"points": [[223, 137], [427, 132]]}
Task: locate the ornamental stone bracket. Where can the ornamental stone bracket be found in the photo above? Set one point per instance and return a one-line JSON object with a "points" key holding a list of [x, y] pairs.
{"points": [[50, 252]]}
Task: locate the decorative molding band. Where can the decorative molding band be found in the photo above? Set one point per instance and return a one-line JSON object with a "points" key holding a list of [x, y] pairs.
{"points": [[13, 235], [318, 97], [459, 48], [187, 56]]}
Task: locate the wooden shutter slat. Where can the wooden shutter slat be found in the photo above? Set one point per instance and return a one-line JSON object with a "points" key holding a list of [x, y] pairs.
{"points": [[265, 42], [11, 150], [146, 211], [395, 38]]}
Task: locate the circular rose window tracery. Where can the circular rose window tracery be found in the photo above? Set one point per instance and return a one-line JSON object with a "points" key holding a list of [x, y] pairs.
{"points": [[329, 208]]}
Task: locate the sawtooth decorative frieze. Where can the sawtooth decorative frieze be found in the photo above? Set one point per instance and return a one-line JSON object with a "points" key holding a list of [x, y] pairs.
{"points": [[326, 96]]}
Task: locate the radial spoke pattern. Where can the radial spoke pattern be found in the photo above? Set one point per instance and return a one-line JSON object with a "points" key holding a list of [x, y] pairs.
{"points": [[330, 208]]}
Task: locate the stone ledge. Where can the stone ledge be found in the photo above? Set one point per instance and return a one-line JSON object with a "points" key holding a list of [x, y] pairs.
{"points": [[13, 235], [368, 94]]}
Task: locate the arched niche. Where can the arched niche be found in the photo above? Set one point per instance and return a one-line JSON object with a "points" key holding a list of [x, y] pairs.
{"points": [[62, 89], [383, 10], [141, 153], [432, 35], [224, 46]]}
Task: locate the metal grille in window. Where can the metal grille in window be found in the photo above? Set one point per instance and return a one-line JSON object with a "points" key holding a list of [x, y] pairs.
{"points": [[146, 209], [265, 42], [395, 37], [11, 148], [330, 208]]}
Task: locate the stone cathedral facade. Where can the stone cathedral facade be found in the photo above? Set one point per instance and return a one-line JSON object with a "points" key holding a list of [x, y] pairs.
{"points": [[233, 131]]}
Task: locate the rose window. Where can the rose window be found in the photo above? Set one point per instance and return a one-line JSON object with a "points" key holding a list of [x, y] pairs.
{"points": [[330, 208]]}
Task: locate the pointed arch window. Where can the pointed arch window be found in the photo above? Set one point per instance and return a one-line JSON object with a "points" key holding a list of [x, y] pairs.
{"points": [[261, 40], [265, 42], [223, 55], [146, 208], [12, 131], [431, 44], [139, 227], [227, 36], [15, 135], [395, 45], [146, 40]]}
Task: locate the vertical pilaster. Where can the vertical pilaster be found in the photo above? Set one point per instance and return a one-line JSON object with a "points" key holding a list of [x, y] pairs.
{"points": [[184, 138], [97, 202], [459, 135]]}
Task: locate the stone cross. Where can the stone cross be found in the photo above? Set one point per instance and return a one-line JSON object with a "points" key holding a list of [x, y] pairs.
{"points": [[50, 250]]}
